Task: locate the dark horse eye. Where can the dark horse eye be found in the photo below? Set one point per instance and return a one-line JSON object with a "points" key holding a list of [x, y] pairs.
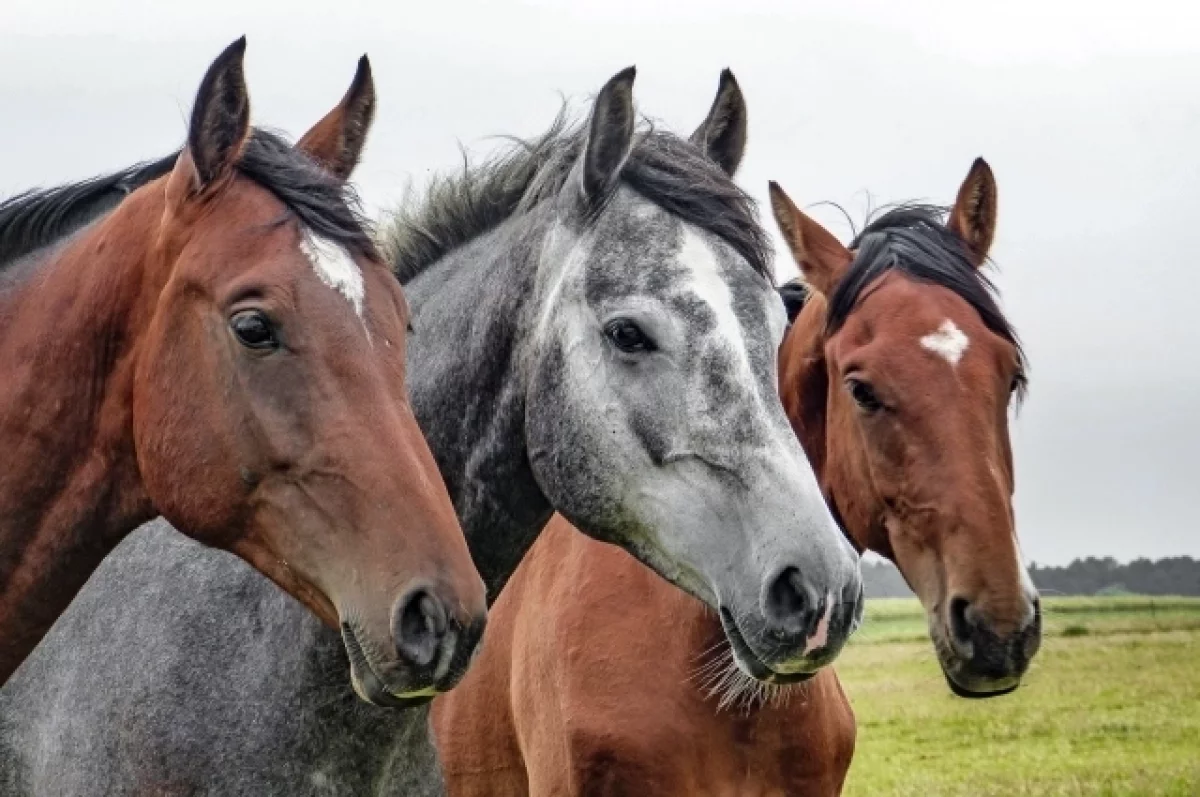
{"points": [[254, 330], [864, 395], [627, 336]]}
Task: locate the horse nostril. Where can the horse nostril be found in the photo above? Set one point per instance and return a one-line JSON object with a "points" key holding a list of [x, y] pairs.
{"points": [[419, 626], [960, 625], [788, 605]]}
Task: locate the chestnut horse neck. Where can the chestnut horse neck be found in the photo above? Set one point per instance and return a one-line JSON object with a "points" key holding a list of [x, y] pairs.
{"points": [[71, 488], [73, 317]]}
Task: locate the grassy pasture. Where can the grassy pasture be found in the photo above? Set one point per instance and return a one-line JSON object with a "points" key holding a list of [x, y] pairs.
{"points": [[1111, 706]]}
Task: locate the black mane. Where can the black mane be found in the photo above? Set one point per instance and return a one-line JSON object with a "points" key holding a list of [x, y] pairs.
{"points": [[38, 218], [663, 168], [914, 240], [322, 202]]}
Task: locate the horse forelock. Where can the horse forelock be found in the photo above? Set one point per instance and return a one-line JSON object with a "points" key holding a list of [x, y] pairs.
{"points": [[914, 240]]}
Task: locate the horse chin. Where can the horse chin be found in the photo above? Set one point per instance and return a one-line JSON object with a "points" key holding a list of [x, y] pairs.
{"points": [[748, 661], [997, 689], [370, 687]]}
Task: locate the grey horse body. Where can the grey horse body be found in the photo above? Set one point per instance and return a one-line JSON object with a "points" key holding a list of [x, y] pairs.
{"points": [[179, 671]]}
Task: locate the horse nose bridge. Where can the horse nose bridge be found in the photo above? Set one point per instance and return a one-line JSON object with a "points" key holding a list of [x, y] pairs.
{"points": [[971, 489], [386, 464], [394, 508], [786, 486], [983, 566]]}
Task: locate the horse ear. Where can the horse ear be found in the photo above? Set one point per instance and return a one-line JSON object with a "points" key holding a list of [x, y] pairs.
{"points": [[610, 136], [220, 123], [974, 215], [821, 257], [722, 135], [337, 141]]}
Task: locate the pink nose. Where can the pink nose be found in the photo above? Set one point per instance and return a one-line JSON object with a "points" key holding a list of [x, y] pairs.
{"points": [[820, 637]]}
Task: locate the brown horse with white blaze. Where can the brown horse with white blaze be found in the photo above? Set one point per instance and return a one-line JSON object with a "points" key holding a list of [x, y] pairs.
{"points": [[227, 349], [897, 376], [919, 367]]}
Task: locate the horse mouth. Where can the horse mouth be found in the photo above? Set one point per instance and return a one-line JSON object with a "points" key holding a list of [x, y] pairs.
{"points": [[749, 662], [964, 683], [370, 686]]}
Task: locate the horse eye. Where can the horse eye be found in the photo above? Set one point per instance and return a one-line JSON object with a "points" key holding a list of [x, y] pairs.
{"points": [[863, 395], [627, 336], [254, 330]]}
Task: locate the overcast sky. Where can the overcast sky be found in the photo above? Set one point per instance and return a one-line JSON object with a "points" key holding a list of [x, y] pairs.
{"points": [[1089, 113]]}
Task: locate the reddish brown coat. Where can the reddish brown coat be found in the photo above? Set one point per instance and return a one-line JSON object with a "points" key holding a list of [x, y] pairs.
{"points": [[587, 682]]}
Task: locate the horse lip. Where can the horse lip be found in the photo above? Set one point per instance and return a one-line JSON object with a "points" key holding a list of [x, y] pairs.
{"points": [[950, 668], [749, 661], [369, 686]]}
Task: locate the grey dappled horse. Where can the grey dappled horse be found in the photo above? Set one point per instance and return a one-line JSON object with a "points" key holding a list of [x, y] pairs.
{"points": [[594, 333]]}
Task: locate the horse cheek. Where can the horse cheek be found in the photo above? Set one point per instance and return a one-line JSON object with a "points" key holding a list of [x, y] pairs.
{"points": [[184, 451]]}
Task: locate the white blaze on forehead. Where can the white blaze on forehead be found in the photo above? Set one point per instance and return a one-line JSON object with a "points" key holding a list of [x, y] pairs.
{"points": [[336, 268], [948, 342], [711, 287]]}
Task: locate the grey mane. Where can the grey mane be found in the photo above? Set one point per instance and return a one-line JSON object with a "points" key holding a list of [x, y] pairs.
{"points": [[665, 169]]}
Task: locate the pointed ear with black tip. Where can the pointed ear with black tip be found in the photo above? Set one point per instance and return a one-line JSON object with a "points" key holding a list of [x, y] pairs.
{"points": [[722, 135], [821, 257], [220, 124], [337, 141], [974, 215], [610, 137]]}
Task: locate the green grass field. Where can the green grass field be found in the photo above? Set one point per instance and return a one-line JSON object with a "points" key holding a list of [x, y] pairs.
{"points": [[1111, 706]]}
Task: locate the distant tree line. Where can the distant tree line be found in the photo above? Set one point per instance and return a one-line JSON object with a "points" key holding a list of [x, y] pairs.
{"points": [[881, 579], [1178, 575]]}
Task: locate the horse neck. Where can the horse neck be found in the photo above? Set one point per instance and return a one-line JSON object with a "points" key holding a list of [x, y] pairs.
{"points": [[69, 489], [472, 314]]}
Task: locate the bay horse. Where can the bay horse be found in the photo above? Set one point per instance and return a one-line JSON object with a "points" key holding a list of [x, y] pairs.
{"points": [[226, 348], [595, 333], [897, 376]]}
